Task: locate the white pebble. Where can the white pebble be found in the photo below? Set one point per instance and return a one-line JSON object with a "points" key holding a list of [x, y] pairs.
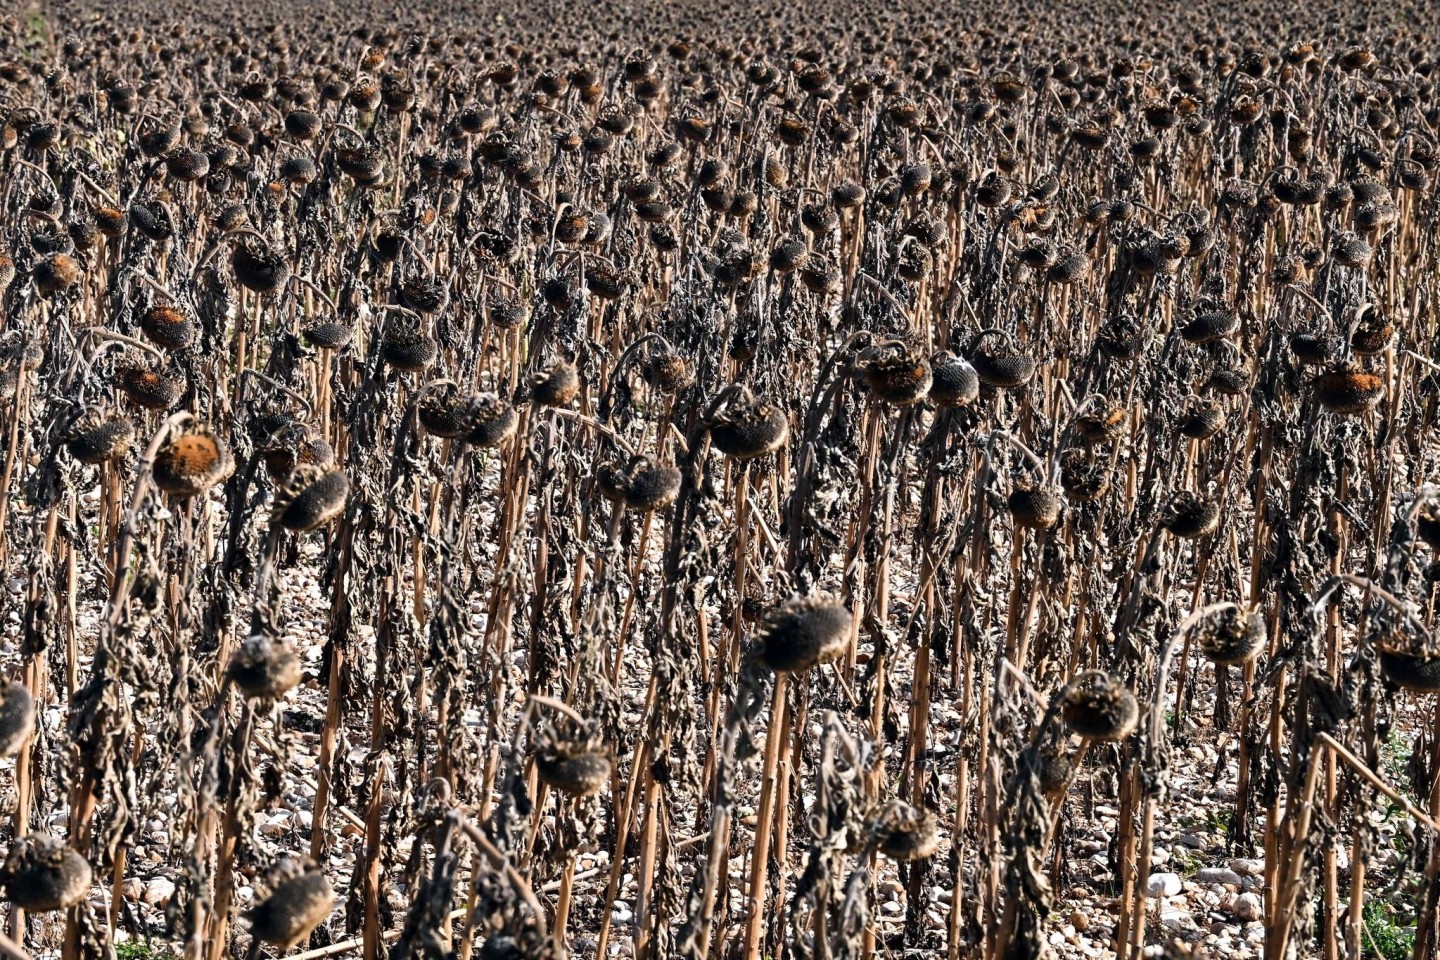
{"points": [[159, 891], [1162, 885], [1246, 907]]}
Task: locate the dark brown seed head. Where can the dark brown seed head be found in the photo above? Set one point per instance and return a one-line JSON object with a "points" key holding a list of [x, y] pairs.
{"points": [[954, 382], [641, 189], [668, 371], [302, 124], [425, 293], [1372, 217], [712, 171], [1210, 325], [1034, 507], [1100, 707], [1038, 253], [191, 462], [653, 211], [1001, 365], [187, 164], [167, 326], [298, 171], [1412, 175], [100, 440], [397, 91], [443, 410], [41, 873], [930, 231], [788, 254], [556, 387], [570, 226], [1315, 349], [559, 292], [804, 632], [916, 178], [718, 197], [792, 131], [360, 162], [258, 267], [1230, 381], [1045, 189], [820, 276], [1071, 266], [574, 772], [1189, 515], [1373, 332], [895, 373], [748, 428], [1037, 217], [490, 421], [649, 485], [1200, 240], [55, 274], [505, 313], [906, 833], [1246, 111], [610, 480], [388, 245], [1145, 148], [156, 138], [110, 222], [599, 230], [286, 445], [328, 334], [1056, 771], [148, 387], [1083, 477], [1231, 635], [17, 718], [408, 349], [1202, 420], [1351, 250], [1416, 672], [847, 195], [311, 497], [1123, 337], [232, 217], [50, 238], [1348, 392], [1102, 424], [1090, 135], [42, 136], [294, 908], [1160, 114], [264, 668], [152, 219], [1287, 270]]}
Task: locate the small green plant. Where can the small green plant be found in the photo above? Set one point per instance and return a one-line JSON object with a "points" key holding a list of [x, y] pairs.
{"points": [[1386, 940], [37, 25], [140, 950], [1394, 760], [1186, 864]]}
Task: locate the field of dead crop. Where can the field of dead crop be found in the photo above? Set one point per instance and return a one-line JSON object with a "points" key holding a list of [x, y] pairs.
{"points": [[820, 481]]}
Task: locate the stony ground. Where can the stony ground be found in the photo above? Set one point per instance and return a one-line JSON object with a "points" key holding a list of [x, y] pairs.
{"points": [[1205, 896]]}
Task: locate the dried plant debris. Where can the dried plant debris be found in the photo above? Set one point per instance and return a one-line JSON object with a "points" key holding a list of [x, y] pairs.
{"points": [[640, 479]]}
